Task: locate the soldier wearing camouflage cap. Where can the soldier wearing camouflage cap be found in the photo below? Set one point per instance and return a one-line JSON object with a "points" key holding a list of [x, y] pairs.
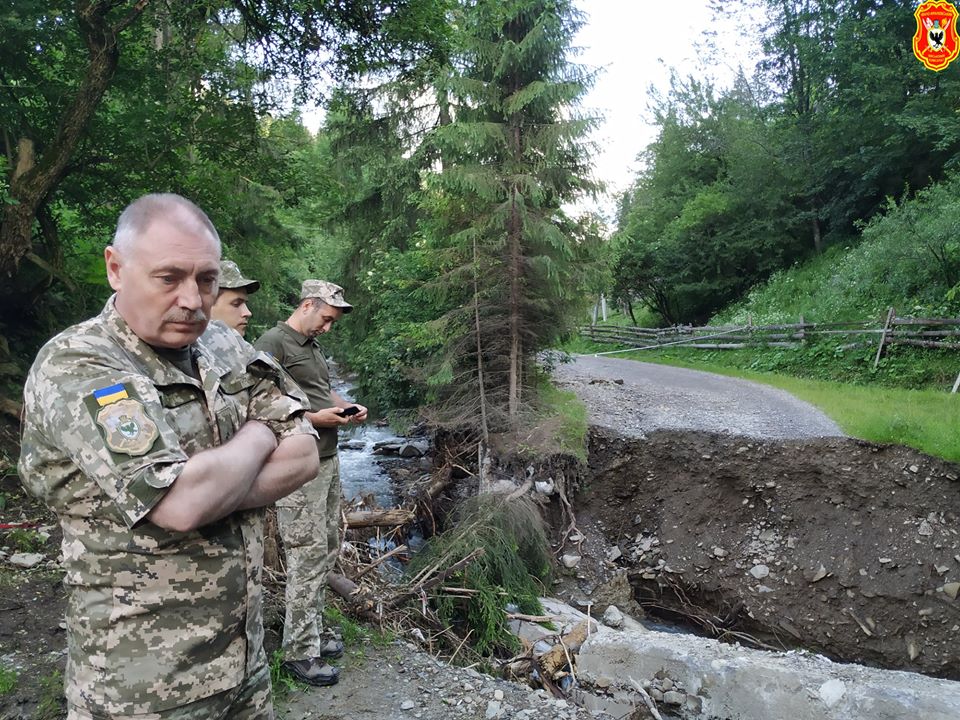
{"points": [[230, 307], [157, 440], [309, 519]]}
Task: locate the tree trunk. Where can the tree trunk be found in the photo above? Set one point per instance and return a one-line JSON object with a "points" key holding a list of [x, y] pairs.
{"points": [[817, 237], [35, 181], [513, 243]]}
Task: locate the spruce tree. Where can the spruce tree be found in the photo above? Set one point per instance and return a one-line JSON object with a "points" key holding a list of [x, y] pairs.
{"points": [[511, 158]]}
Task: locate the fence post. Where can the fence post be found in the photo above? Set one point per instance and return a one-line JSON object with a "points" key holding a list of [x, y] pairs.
{"points": [[883, 338], [802, 328], [956, 385]]}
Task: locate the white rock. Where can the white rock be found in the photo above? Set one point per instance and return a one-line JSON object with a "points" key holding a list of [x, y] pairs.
{"points": [[498, 695], [570, 561], [952, 589], [719, 552], [26, 560], [832, 691], [759, 571], [925, 528], [493, 709], [612, 617], [614, 553], [407, 705], [673, 697]]}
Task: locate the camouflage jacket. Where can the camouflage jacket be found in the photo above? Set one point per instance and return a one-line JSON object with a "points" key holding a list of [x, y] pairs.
{"points": [[156, 618]]}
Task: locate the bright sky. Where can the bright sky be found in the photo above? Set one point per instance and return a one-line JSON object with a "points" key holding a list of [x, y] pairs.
{"points": [[637, 42]]}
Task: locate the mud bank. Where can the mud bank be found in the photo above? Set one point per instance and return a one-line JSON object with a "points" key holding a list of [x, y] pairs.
{"points": [[834, 545]]}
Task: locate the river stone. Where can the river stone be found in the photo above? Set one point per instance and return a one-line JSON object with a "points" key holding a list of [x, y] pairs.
{"points": [[570, 561], [352, 444], [26, 560], [951, 589], [612, 617], [759, 571], [673, 697], [832, 691], [414, 448]]}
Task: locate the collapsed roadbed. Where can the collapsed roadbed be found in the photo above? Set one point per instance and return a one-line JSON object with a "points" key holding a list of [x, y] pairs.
{"points": [[834, 545]]}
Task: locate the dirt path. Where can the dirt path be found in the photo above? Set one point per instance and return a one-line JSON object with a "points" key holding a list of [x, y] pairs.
{"points": [[636, 398]]}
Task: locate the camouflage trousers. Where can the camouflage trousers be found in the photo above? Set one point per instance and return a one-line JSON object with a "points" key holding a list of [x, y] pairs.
{"points": [[309, 523], [251, 700]]}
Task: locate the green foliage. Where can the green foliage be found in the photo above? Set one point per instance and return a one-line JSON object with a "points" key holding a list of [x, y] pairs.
{"points": [[908, 259], [283, 683], [352, 633], [785, 164], [51, 703], [562, 410], [515, 563], [8, 679], [24, 540]]}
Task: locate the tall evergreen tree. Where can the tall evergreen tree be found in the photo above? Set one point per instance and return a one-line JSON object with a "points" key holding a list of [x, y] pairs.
{"points": [[513, 155]]}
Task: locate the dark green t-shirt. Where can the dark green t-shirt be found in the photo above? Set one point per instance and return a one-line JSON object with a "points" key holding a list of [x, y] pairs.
{"points": [[304, 360]]}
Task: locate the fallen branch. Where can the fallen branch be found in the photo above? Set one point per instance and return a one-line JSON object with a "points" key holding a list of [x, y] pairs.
{"points": [[379, 518], [647, 700], [529, 618], [396, 551], [422, 587], [553, 660]]}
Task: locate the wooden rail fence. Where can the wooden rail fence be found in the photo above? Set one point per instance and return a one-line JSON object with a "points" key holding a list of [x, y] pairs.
{"points": [[935, 333]]}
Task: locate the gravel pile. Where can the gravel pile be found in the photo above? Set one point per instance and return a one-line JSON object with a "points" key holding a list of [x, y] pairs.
{"points": [[401, 682]]}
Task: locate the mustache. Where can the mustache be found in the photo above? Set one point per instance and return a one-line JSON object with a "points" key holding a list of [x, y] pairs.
{"points": [[185, 316]]}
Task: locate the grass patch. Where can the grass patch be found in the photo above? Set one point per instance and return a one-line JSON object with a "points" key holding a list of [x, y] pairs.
{"points": [[569, 417], [922, 419], [25, 540], [51, 704], [8, 679]]}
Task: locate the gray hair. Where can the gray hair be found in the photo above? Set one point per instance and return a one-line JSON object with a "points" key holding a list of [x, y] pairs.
{"points": [[139, 214]]}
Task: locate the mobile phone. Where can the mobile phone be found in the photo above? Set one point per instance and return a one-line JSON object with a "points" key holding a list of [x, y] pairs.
{"points": [[348, 411]]}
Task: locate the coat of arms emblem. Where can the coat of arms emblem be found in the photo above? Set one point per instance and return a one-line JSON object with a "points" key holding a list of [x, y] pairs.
{"points": [[127, 429], [936, 43]]}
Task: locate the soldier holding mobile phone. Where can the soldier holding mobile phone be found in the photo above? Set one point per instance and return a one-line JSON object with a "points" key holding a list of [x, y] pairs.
{"points": [[309, 519]]}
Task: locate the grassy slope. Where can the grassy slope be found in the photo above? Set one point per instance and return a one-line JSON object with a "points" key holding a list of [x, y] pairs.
{"points": [[900, 262]]}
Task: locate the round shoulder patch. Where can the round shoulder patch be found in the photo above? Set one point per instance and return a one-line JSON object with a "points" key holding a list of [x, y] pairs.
{"points": [[127, 429]]}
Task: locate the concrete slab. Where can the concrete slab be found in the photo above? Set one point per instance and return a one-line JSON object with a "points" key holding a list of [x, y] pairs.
{"points": [[716, 680]]}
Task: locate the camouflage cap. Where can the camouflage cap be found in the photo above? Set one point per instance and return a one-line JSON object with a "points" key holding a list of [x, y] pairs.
{"points": [[331, 294], [232, 279]]}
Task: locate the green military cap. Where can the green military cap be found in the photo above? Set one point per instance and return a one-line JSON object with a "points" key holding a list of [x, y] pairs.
{"points": [[232, 279], [329, 293]]}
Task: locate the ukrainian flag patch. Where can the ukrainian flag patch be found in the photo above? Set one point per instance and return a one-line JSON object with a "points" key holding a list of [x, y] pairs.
{"points": [[105, 396]]}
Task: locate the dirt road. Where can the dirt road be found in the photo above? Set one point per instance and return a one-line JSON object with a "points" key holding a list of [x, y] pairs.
{"points": [[636, 398]]}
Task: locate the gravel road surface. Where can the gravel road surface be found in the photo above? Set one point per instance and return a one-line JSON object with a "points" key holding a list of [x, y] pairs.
{"points": [[636, 398]]}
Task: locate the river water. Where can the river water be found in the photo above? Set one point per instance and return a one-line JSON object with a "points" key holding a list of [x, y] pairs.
{"points": [[360, 473]]}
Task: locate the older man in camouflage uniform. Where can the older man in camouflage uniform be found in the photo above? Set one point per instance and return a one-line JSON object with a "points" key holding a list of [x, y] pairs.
{"points": [[157, 443], [230, 307], [309, 519]]}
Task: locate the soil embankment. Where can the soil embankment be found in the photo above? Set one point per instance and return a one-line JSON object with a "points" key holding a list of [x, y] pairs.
{"points": [[836, 546], [741, 520]]}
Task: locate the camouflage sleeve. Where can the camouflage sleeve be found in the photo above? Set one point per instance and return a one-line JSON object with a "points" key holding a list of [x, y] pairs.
{"points": [[276, 400], [109, 422]]}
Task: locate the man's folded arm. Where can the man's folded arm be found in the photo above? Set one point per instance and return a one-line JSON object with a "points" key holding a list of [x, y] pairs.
{"points": [[215, 482]]}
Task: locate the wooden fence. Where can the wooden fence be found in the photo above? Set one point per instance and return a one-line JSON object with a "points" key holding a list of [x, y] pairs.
{"points": [[942, 333]]}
